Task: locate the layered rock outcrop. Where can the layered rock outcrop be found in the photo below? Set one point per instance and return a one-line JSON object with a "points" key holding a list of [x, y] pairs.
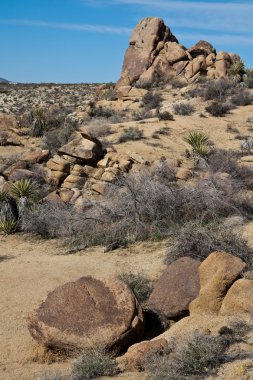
{"points": [[155, 52]]}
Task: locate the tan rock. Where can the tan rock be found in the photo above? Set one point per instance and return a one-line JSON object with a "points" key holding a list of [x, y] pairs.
{"points": [[104, 163], [36, 156], [239, 299], [174, 52], [183, 173], [217, 272], [201, 48], [66, 195], [12, 168], [136, 354], [100, 187], [84, 147], [73, 181], [88, 313], [58, 176], [58, 164]]}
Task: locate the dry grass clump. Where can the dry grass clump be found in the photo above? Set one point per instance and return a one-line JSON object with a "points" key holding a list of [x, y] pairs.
{"points": [[93, 363], [243, 98], [218, 90], [99, 127], [140, 285]]}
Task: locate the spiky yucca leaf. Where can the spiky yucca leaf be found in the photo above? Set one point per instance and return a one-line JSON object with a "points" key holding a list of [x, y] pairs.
{"points": [[237, 68], [198, 142], [4, 196], [8, 226], [24, 188]]}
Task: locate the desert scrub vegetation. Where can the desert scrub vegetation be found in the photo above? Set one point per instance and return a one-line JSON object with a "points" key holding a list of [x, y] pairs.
{"points": [[218, 109], [151, 100], [165, 115], [244, 98], [93, 363], [130, 134], [38, 122], [197, 357], [183, 109], [140, 285], [218, 90], [198, 240], [99, 127]]}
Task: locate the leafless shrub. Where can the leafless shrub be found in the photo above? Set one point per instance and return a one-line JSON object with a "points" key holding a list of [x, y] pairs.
{"points": [[218, 109], [183, 109], [218, 89], [198, 240], [99, 128], [151, 100], [130, 134], [244, 98]]}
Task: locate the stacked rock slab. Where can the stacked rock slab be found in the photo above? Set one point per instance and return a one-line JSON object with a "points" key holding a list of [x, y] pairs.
{"points": [[155, 52]]}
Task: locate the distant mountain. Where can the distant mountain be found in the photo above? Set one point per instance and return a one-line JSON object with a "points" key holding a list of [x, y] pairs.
{"points": [[2, 80]]}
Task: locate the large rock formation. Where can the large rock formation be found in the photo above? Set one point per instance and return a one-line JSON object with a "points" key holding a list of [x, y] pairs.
{"points": [[155, 52], [88, 313]]}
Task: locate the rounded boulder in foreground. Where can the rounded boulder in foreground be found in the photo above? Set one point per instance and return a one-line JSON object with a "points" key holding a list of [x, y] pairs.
{"points": [[87, 313]]}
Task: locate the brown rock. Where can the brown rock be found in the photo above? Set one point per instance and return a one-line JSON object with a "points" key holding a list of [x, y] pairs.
{"points": [[217, 272], [202, 47], [7, 122], [18, 174], [136, 354], [239, 299], [177, 287], [100, 187], [36, 156], [84, 147], [73, 181], [58, 177], [7, 140], [11, 169], [88, 313]]}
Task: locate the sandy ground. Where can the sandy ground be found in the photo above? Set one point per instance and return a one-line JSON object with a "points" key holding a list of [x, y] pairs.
{"points": [[30, 268]]}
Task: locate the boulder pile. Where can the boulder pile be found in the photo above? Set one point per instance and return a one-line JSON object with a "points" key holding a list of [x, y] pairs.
{"points": [[154, 52]]}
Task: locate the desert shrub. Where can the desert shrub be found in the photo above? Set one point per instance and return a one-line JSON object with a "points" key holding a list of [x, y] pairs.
{"points": [[93, 363], [237, 68], [53, 139], [165, 115], [99, 128], [244, 98], [218, 89], [140, 285], [248, 80], [130, 134], [23, 188], [183, 109], [196, 358], [221, 160], [198, 240], [151, 100], [48, 219], [218, 109], [99, 111]]}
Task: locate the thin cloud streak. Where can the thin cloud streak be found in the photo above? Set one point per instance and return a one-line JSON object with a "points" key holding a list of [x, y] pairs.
{"points": [[67, 26]]}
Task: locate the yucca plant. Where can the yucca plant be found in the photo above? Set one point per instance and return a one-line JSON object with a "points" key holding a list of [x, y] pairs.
{"points": [[4, 196], [38, 124], [8, 226], [198, 142], [23, 188]]}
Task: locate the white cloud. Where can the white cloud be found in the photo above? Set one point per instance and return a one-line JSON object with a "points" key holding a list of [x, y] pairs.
{"points": [[67, 26]]}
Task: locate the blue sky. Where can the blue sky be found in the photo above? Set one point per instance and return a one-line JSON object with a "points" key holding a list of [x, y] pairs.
{"points": [[85, 40]]}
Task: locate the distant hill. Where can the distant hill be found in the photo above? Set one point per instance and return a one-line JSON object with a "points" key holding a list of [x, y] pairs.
{"points": [[2, 80]]}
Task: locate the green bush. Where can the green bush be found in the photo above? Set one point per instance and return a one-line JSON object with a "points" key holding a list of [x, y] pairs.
{"points": [[198, 141], [93, 363]]}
